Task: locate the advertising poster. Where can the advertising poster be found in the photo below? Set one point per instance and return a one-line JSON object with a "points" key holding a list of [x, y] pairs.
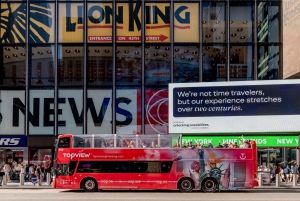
{"points": [[226, 107], [129, 28], [12, 121], [156, 111], [70, 27], [13, 18], [99, 21], [186, 22]]}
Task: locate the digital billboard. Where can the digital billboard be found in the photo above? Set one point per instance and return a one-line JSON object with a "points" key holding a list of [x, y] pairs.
{"points": [[228, 107]]}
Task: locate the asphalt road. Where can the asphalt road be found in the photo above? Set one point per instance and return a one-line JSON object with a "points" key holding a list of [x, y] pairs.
{"points": [[72, 195]]}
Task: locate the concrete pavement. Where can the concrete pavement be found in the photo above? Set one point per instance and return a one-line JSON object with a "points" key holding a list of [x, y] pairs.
{"points": [[27, 185]]}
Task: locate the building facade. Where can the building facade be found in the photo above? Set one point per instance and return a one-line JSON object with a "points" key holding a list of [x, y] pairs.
{"points": [[101, 67]]}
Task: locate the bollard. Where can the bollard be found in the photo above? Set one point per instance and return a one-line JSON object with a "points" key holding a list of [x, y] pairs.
{"points": [[260, 180], [4, 180], [48, 178], [277, 180], [21, 179], [295, 177]]}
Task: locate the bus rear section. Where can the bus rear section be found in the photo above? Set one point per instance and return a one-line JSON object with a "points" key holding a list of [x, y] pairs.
{"points": [[186, 169]]}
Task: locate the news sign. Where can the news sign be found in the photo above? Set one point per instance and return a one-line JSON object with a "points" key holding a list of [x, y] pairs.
{"points": [[226, 107]]}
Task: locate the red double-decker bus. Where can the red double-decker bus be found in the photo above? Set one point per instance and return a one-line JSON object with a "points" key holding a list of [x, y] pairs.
{"points": [[91, 163]]}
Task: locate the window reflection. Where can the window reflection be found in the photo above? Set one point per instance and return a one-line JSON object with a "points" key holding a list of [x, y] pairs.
{"points": [[42, 65], [241, 20], [157, 64], [99, 66], [214, 16], [129, 63], [70, 65], [186, 64], [241, 63], [214, 63], [268, 62], [13, 68], [268, 24]]}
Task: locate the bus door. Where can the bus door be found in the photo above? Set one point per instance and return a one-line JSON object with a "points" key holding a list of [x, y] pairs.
{"points": [[239, 174]]}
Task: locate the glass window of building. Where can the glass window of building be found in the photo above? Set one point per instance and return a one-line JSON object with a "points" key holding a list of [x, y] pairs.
{"points": [[41, 65], [70, 110], [241, 22], [268, 62], [128, 110], [241, 63], [156, 110], [42, 22], [157, 64], [214, 63], [128, 22], [13, 68], [214, 20], [157, 17], [99, 110], [41, 111], [128, 65], [186, 25], [70, 18], [186, 64], [12, 112], [70, 65], [13, 19], [41, 157], [99, 22], [268, 24], [100, 65]]}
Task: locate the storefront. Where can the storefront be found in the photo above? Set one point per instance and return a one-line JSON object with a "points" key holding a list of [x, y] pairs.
{"points": [[272, 150], [41, 151], [13, 151]]}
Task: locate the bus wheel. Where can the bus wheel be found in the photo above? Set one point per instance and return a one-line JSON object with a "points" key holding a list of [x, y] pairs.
{"points": [[209, 185], [89, 185], [186, 185]]}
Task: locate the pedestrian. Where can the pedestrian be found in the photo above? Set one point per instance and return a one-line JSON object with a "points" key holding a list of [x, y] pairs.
{"points": [[43, 172], [1, 175], [31, 172], [286, 173], [7, 170]]}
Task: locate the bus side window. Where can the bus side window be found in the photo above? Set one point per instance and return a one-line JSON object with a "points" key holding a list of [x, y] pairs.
{"points": [[166, 166], [64, 142]]}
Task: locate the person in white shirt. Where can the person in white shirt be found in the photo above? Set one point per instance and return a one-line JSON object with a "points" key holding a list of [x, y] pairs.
{"points": [[7, 171], [31, 172]]}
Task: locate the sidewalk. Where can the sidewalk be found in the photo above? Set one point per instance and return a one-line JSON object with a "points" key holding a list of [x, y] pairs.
{"points": [[282, 185], [27, 185]]}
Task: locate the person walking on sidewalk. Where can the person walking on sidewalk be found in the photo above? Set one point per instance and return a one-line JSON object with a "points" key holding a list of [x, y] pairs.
{"points": [[31, 172], [7, 172], [286, 173], [37, 173], [1, 175]]}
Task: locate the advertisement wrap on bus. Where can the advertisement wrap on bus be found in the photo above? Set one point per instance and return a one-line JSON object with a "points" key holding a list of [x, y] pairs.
{"points": [[91, 163]]}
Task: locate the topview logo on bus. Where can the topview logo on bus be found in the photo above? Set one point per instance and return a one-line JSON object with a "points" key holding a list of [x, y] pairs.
{"points": [[76, 155], [129, 20]]}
